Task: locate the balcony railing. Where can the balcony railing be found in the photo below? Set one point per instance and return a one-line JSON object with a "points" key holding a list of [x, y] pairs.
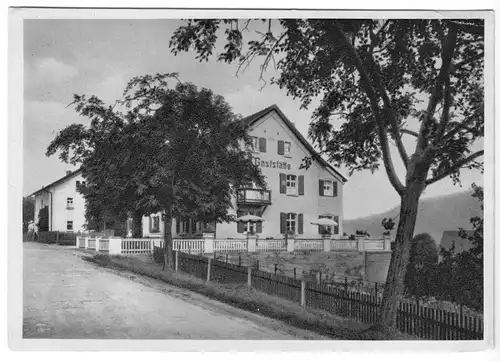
{"points": [[252, 195]]}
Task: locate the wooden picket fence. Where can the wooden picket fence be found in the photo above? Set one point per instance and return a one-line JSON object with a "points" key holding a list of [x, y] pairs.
{"points": [[424, 322]]}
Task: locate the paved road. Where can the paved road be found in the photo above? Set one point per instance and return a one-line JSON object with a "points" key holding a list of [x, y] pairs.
{"points": [[66, 297]]}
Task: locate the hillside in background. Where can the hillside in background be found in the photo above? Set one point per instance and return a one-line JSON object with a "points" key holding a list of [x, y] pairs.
{"points": [[435, 215]]}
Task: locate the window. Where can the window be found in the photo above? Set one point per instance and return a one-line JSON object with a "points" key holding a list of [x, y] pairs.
{"points": [[291, 184], [287, 148], [69, 203], [69, 225], [255, 144], [155, 226], [291, 222], [328, 188]]}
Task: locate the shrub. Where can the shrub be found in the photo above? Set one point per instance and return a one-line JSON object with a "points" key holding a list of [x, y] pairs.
{"points": [[420, 273]]}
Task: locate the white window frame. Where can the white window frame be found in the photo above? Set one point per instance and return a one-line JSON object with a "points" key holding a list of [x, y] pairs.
{"points": [[70, 203], [291, 222], [255, 144], [292, 188], [328, 187], [68, 223], [286, 152]]}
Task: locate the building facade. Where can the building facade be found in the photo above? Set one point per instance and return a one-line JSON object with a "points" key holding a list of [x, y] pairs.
{"points": [[59, 206], [293, 199]]}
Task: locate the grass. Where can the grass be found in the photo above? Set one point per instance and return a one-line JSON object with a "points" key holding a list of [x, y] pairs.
{"points": [[251, 300]]}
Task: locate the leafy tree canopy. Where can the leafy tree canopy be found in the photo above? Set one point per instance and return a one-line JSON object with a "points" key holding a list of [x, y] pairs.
{"points": [[378, 81], [177, 150]]}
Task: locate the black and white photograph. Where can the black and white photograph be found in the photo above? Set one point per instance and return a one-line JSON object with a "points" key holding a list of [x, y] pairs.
{"points": [[254, 176]]}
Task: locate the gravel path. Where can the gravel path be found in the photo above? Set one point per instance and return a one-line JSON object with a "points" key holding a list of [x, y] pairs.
{"points": [[66, 297]]}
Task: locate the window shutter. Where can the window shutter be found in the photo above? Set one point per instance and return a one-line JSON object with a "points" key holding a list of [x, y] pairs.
{"points": [[300, 224], [336, 228], [282, 183], [262, 145], [177, 225], [241, 227], [150, 224], [259, 227], [281, 147], [334, 189], [282, 223], [321, 188], [301, 185]]}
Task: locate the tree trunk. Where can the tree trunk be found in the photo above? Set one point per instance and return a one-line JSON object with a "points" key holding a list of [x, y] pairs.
{"points": [[168, 260], [136, 225], [399, 261]]}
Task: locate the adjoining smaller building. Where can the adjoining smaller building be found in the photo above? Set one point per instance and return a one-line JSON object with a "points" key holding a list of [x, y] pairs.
{"points": [[59, 206]]}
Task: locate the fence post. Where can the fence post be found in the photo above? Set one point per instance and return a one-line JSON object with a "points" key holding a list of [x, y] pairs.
{"points": [[361, 244], [303, 293], [327, 244], [252, 244], [387, 243], [176, 260], [115, 245], [290, 244], [208, 269], [97, 244], [86, 242], [208, 243], [249, 277]]}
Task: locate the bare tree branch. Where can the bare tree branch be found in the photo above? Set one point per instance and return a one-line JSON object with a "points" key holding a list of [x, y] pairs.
{"points": [[438, 88], [455, 168], [410, 132], [370, 92], [467, 61]]}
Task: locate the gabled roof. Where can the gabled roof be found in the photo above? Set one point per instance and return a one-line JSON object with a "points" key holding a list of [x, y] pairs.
{"points": [[251, 119], [454, 236], [59, 181]]}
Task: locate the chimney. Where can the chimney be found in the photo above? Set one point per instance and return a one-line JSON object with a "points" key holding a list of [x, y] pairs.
{"points": [[68, 172]]}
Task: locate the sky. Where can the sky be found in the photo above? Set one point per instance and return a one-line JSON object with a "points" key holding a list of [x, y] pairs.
{"points": [[66, 57]]}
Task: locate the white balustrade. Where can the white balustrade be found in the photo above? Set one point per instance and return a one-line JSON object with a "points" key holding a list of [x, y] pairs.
{"points": [[91, 243], [80, 242], [308, 245], [104, 245], [374, 245], [188, 245], [271, 245], [230, 245], [136, 246], [344, 245]]}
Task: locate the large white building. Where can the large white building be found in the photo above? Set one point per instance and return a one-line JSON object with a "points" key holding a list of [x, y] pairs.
{"points": [[294, 197], [62, 206]]}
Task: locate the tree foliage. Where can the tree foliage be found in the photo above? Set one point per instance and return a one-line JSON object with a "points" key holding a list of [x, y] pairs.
{"points": [[419, 279], [180, 151], [28, 212], [378, 81], [461, 275]]}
